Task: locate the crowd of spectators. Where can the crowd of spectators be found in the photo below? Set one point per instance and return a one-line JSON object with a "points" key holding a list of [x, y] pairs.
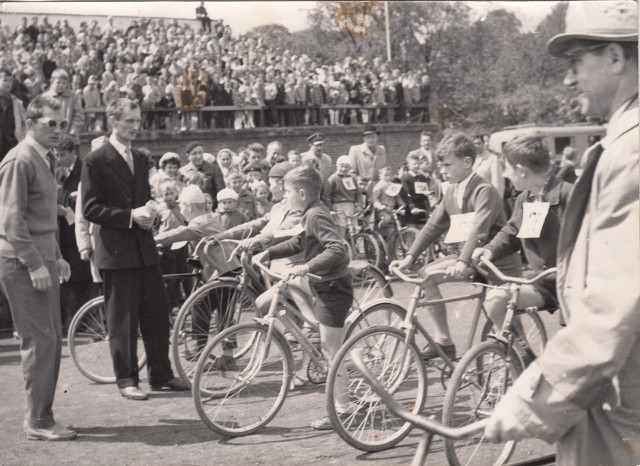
{"points": [[168, 64]]}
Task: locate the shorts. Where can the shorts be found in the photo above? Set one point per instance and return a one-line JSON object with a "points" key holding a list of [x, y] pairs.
{"points": [[332, 301]]}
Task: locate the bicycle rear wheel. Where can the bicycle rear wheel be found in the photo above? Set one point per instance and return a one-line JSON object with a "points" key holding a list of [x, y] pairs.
{"points": [[477, 384], [88, 340], [367, 424], [369, 284], [199, 320], [366, 248], [237, 395]]}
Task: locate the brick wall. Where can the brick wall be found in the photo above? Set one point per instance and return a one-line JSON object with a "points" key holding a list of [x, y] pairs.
{"points": [[397, 139]]}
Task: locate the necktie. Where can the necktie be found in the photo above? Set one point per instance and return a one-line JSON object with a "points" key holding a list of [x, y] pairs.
{"points": [[52, 162], [577, 204], [128, 158]]}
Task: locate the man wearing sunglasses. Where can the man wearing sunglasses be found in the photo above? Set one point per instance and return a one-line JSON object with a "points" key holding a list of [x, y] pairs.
{"points": [[31, 267], [583, 392]]}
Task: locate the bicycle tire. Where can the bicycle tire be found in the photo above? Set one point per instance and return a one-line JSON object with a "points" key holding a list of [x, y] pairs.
{"points": [[368, 424], [365, 247], [530, 328], [477, 384], [401, 242], [241, 400], [384, 249], [88, 340], [369, 284], [198, 320]]}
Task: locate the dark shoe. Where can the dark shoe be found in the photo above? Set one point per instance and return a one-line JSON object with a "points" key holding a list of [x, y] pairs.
{"points": [[173, 385], [133, 393], [225, 363], [55, 433], [431, 353]]}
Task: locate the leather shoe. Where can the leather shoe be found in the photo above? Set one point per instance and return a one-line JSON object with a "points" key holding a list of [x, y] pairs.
{"points": [[55, 433], [133, 393], [174, 385]]}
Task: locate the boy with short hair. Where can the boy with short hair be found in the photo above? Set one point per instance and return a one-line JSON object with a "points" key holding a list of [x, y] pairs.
{"points": [[419, 191], [385, 197], [533, 227], [326, 255], [471, 213], [246, 200]]}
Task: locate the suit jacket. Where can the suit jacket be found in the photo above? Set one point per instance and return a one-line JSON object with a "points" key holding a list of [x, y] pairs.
{"points": [[109, 193], [595, 360], [367, 163]]}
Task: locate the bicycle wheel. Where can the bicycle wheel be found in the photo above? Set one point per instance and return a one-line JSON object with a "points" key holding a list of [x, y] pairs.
{"points": [[238, 395], [367, 424], [384, 250], [88, 339], [378, 315], [478, 383], [199, 320], [369, 284], [365, 247], [529, 332], [401, 242]]}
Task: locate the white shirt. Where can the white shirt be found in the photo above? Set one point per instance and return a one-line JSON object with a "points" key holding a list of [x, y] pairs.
{"points": [[460, 189], [121, 148]]}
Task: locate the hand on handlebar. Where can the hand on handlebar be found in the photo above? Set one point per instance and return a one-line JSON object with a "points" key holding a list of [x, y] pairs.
{"points": [[258, 258], [481, 253], [504, 425], [298, 270], [458, 271], [248, 244], [401, 264]]}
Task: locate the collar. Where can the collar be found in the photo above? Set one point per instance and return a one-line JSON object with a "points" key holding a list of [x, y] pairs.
{"points": [[622, 120], [463, 184], [40, 149], [118, 145]]}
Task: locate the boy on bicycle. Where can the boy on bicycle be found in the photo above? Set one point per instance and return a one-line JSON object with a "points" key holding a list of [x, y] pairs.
{"points": [[326, 255], [471, 213], [341, 194], [533, 227]]}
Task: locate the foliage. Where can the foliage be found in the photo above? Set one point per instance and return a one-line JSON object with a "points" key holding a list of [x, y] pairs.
{"points": [[486, 73]]}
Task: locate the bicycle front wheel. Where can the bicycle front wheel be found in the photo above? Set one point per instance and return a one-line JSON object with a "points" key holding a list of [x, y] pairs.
{"points": [[211, 308], [366, 248], [88, 340], [530, 335], [477, 385], [369, 284], [237, 395], [356, 412]]}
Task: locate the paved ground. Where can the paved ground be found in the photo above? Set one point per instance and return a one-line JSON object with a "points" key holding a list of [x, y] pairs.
{"points": [[167, 430]]}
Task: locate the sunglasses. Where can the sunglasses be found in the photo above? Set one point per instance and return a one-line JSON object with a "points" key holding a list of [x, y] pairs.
{"points": [[572, 56], [53, 124]]}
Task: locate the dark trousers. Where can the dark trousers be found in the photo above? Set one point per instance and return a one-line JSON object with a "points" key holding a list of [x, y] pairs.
{"points": [[136, 298], [36, 316]]}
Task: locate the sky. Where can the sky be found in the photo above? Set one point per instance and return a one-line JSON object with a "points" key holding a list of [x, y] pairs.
{"points": [[242, 16]]}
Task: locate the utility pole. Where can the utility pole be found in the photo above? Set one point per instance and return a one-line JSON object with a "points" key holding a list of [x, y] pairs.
{"points": [[386, 21]]}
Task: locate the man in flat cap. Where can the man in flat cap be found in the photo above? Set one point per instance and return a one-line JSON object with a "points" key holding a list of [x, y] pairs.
{"points": [[583, 392], [324, 162], [368, 158]]}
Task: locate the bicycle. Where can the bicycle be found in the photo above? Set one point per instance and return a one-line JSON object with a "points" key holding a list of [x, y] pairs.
{"points": [[88, 336], [484, 373], [394, 340], [238, 395], [363, 245]]}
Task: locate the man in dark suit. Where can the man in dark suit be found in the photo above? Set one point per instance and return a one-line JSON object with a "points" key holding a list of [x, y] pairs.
{"points": [[115, 196], [80, 287], [31, 266]]}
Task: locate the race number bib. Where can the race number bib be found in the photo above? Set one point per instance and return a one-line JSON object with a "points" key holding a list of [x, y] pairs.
{"points": [[393, 189], [421, 188], [348, 183], [460, 228], [533, 217]]}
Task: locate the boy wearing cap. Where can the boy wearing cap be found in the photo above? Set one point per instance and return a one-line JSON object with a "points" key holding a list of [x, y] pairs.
{"points": [[341, 194], [589, 372], [228, 214]]}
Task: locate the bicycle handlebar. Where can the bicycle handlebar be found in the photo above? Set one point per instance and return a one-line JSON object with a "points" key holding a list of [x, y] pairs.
{"points": [[416, 281], [424, 423], [278, 276], [516, 280]]}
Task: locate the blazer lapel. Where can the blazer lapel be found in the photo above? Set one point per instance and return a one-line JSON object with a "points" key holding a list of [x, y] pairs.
{"points": [[118, 165]]}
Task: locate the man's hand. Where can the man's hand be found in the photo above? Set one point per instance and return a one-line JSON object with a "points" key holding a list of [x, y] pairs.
{"points": [[480, 253], [159, 240], [60, 210], [416, 211], [504, 426], [458, 271], [85, 254], [64, 270], [40, 278], [298, 270], [142, 217], [259, 257], [402, 264], [248, 244]]}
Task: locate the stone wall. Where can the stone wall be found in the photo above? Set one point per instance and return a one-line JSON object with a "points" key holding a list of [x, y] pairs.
{"points": [[397, 139]]}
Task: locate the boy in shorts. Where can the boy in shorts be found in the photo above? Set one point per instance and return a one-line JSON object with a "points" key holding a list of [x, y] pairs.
{"points": [[543, 195], [325, 255], [471, 213]]}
